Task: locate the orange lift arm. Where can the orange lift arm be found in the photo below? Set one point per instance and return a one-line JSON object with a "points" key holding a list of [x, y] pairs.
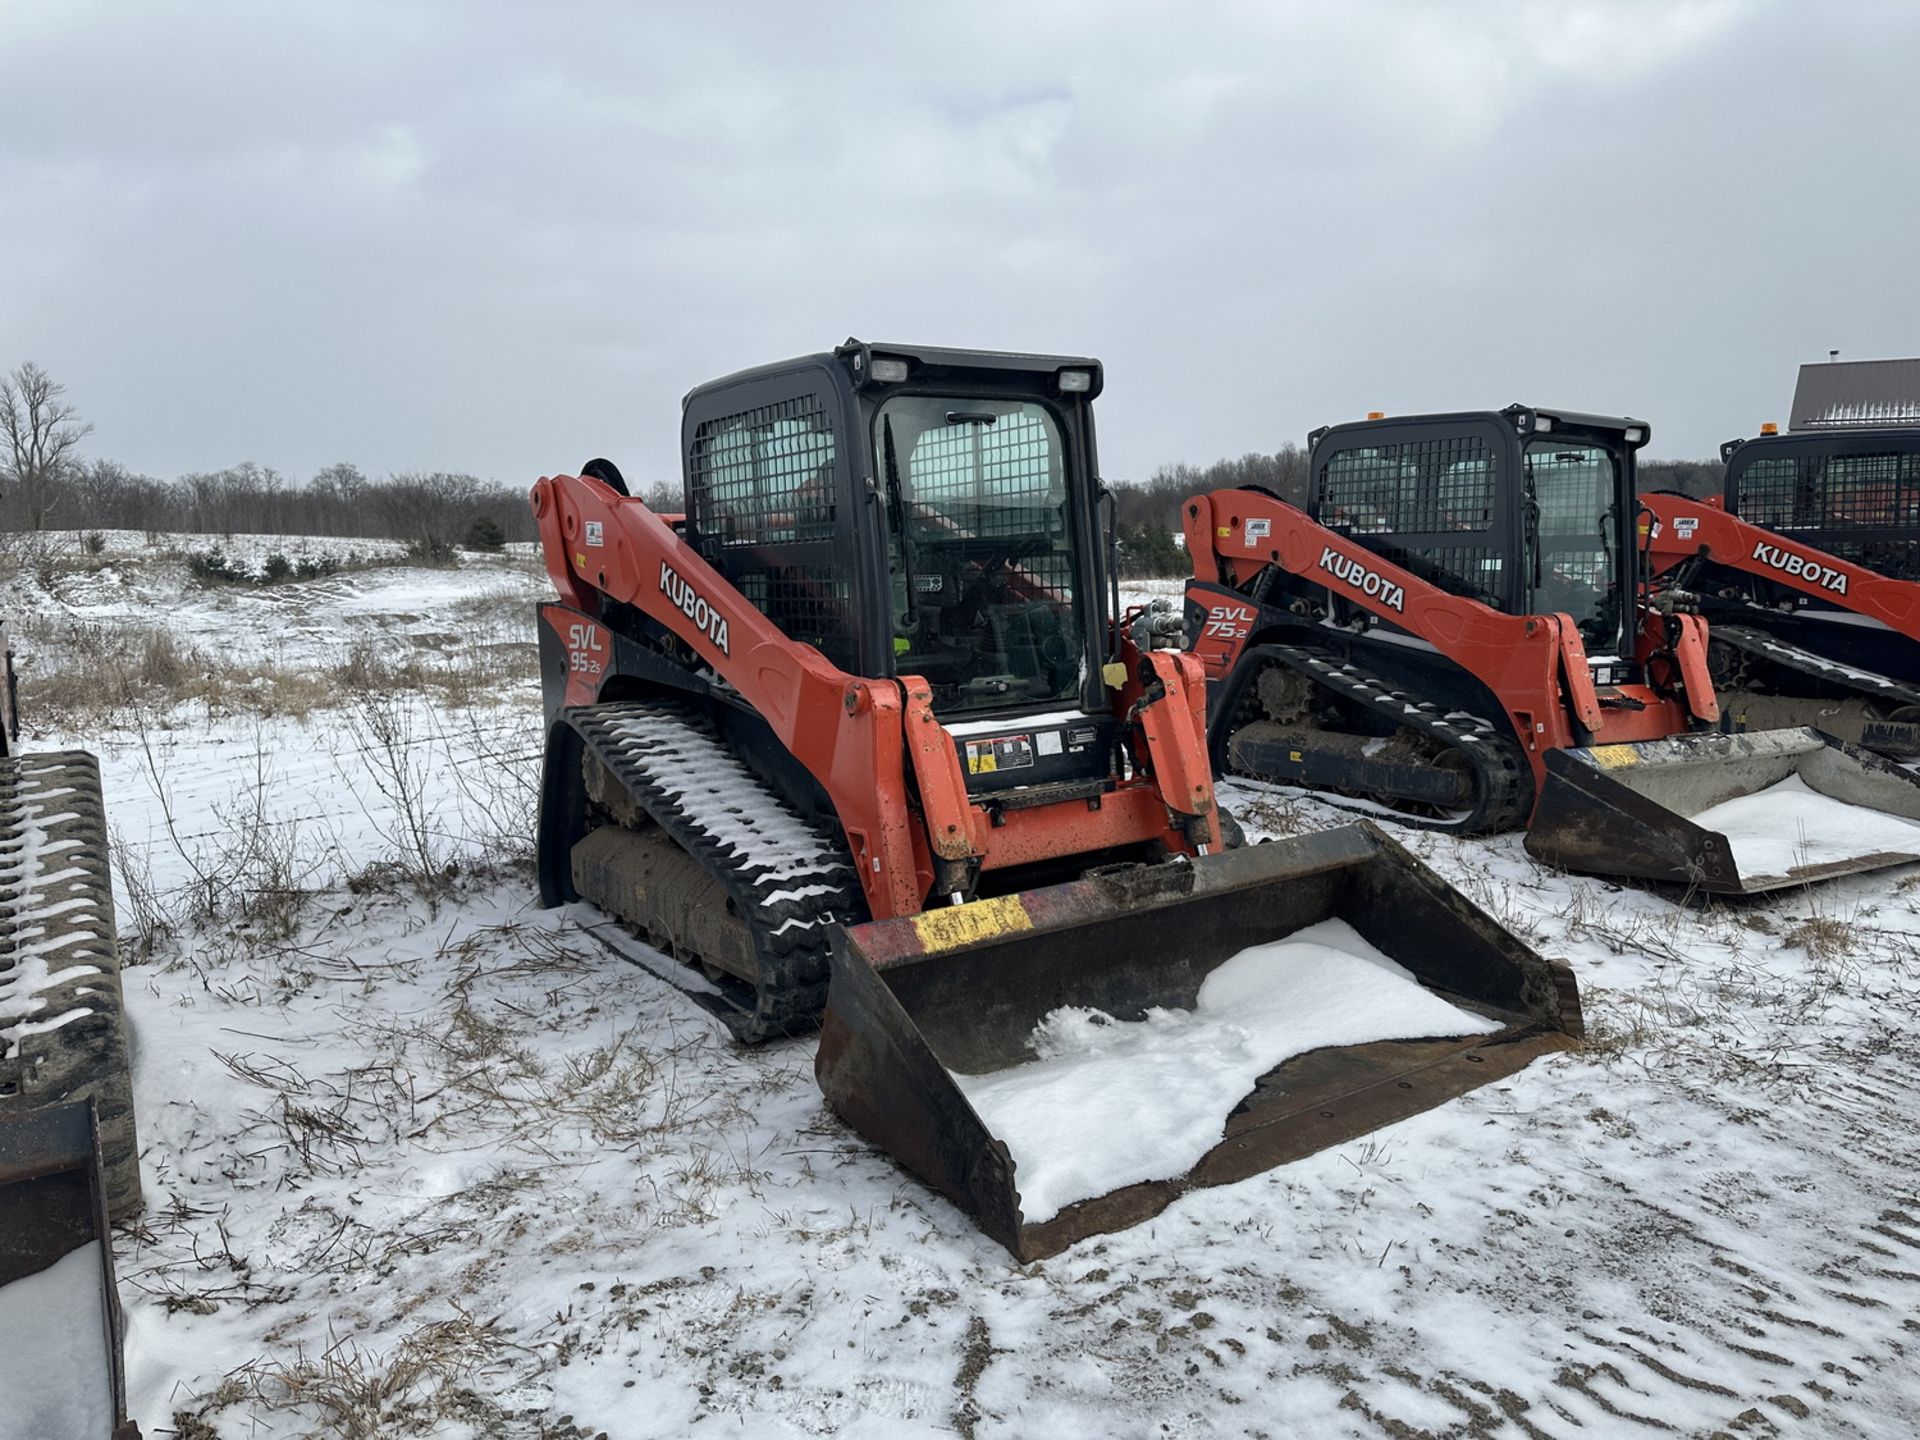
{"points": [[1679, 529]]}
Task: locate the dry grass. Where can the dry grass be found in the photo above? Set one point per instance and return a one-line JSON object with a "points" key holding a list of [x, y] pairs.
{"points": [[498, 613], [462, 1068], [1823, 937], [452, 1055], [1723, 1008], [383, 725], [1274, 814], [1475, 877], [459, 670], [250, 869], [449, 796], [83, 675], [51, 558], [148, 920], [423, 1382]]}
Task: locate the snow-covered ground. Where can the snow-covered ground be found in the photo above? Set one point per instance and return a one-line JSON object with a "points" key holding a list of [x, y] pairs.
{"points": [[421, 1158]]}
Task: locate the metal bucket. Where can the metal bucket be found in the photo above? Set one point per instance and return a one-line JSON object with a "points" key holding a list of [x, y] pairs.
{"points": [[53, 1202], [914, 1000], [1628, 810]]}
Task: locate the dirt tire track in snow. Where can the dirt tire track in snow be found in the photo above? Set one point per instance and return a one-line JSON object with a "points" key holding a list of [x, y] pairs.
{"points": [[974, 1360], [1730, 1344]]}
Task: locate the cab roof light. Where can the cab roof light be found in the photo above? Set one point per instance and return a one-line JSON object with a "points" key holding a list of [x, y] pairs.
{"points": [[1769, 427], [1075, 382], [1543, 422], [1376, 414], [888, 370], [1635, 435]]}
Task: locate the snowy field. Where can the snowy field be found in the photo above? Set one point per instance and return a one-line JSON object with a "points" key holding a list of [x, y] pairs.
{"points": [[422, 1159]]}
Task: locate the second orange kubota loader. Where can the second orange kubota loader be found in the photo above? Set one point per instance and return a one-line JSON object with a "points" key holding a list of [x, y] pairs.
{"points": [[1458, 630], [1807, 569]]}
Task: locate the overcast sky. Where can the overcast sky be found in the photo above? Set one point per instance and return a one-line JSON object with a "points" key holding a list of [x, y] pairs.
{"points": [[502, 238]]}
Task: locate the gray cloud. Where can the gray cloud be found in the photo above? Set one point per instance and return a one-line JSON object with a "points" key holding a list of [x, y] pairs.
{"points": [[501, 238]]}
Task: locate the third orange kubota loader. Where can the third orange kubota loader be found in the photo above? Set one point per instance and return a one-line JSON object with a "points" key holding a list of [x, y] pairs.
{"points": [[1457, 631], [861, 740], [1807, 569]]}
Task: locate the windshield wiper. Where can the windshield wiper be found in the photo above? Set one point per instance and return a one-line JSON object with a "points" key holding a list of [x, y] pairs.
{"points": [[897, 512], [971, 417], [1530, 510]]}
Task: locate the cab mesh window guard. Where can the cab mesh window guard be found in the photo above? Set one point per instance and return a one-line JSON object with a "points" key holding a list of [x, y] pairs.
{"points": [[760, 501], [811, 603], [763, 476], [998, 481], [1430, 502], [1421, 487], [988, 480], [1840, 492], [1575, 490], [1475, 571]]}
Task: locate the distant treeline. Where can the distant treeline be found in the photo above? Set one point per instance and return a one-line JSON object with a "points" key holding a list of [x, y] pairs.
{"points": [[249, 499]]}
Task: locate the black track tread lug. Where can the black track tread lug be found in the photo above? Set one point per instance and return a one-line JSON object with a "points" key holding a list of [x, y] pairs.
{"points": [[791, 934]]}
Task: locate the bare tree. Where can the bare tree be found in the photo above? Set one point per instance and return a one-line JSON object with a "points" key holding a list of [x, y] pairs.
{"points": [[427, 510], [41, 431]]}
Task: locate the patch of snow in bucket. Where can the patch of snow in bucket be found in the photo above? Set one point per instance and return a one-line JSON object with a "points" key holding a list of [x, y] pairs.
{"points": [[1787, 825], [1109, 1103], [53, 1376]]}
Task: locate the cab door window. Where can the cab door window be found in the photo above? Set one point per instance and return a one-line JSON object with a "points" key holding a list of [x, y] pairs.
{"points": [[1574, 535]]}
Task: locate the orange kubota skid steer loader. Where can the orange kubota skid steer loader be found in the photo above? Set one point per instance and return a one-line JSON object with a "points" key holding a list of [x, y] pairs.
{"points": [[1457, 630], [863, 733], [1807, 570]]}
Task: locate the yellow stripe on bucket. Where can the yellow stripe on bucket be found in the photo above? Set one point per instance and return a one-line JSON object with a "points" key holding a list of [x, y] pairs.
{"points": [[1614, 757], [952, 925]]}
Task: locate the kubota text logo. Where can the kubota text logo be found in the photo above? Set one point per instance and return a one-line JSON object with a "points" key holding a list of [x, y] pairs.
{"points": [[703, 615], [1788, 563], [1367, 582]]}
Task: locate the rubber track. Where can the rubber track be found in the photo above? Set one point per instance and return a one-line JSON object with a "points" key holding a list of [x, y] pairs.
{"points": [[1791, 657], [62, 1026], [1502, 777], [790, 880]]}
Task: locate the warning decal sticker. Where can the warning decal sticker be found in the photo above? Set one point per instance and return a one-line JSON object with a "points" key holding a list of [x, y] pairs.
{"points": [[1002, 752]]}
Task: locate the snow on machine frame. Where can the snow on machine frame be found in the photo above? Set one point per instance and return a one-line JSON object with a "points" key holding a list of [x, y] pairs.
{"points": [[1458, 630], [1807, 570], [69, 1161], [863, 733]]}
